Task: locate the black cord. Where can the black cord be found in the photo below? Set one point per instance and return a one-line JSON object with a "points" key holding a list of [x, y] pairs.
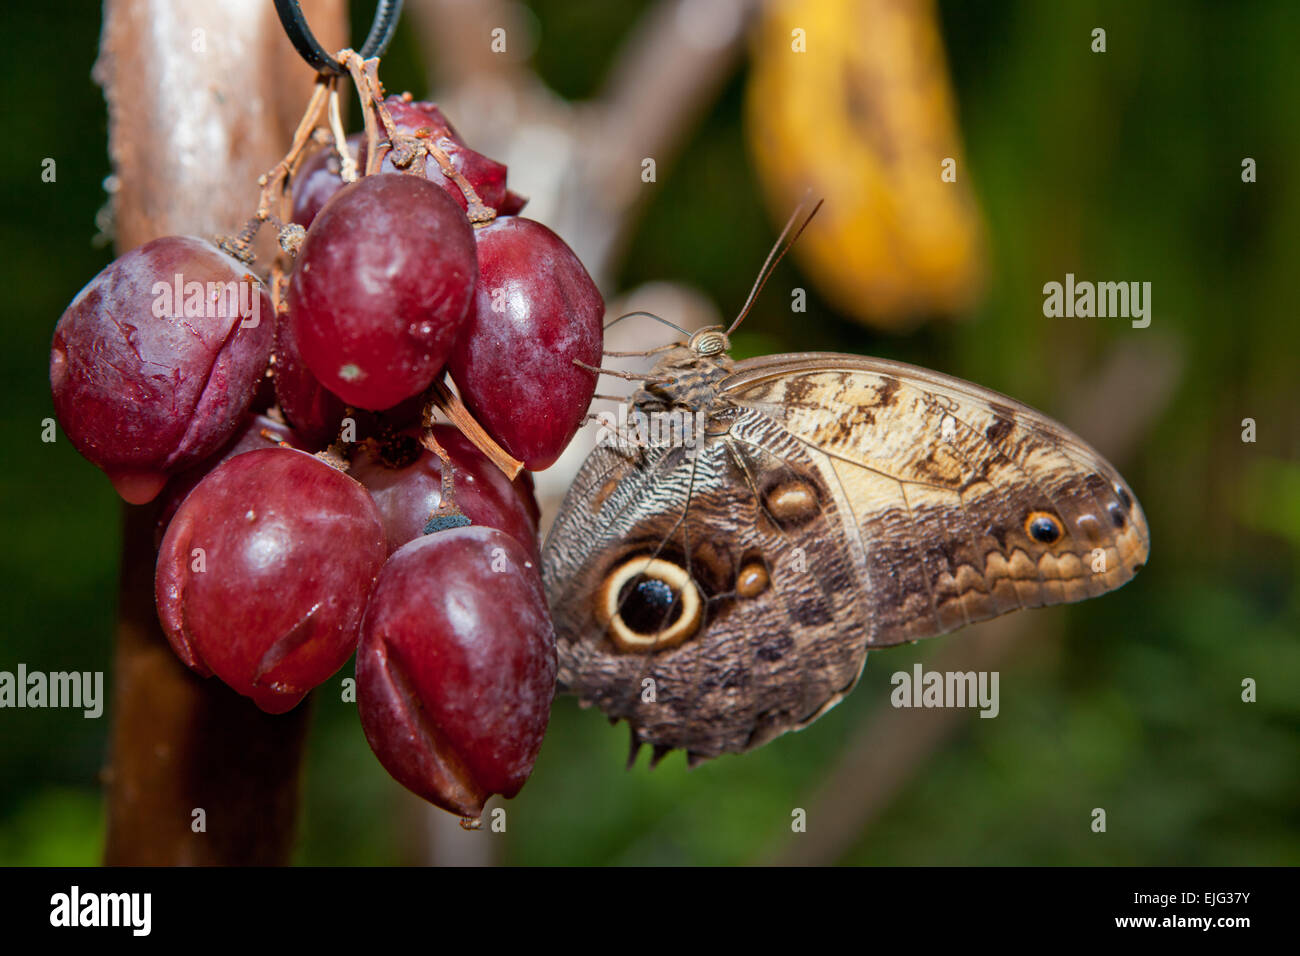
{"points": [[304, 41]]}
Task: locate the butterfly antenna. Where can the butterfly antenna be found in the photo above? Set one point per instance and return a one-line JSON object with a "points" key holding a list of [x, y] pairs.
{"points": [[779, 249], [657, 318]]}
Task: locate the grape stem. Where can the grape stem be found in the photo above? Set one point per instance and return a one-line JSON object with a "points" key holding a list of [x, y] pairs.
{"points": [[279, 285], [336, 455], [447, 506], [273, 199], [449, 403], [347, 165], [407, 150]]}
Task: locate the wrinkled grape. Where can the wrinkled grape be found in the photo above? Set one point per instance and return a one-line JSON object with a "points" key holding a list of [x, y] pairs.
{"points": [[456, 667], [264, 572], [148, 382], [425, 120], [513, 204]]}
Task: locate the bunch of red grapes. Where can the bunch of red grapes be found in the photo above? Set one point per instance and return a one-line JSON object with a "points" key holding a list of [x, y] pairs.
{"points": [[402, 542]]}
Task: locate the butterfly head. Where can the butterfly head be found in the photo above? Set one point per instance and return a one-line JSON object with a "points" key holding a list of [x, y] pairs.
{"points": [[689, 375], [709, 342]]}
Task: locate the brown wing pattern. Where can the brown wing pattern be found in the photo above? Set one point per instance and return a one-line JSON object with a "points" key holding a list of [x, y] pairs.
{"points": [[776, 645], [839, 504], [943, 480]]}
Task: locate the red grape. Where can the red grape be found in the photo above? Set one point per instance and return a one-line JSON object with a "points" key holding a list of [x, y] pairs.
{"points": [[258, 432], [309, 406], [513, 204], [456, 667], [316, 412], [318, 179], [535, 311], [425, 120], [148, 382], [523, 485], [381, 289], [407, 492], [264, 573]]}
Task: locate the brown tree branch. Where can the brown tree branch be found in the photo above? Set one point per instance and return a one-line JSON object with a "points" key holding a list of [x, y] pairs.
{"points": [[202, 99]]}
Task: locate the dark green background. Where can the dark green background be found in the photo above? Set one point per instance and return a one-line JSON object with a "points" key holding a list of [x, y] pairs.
{"points": [[1119, 166]]}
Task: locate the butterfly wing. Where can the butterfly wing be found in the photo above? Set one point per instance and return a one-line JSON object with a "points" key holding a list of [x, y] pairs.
{"points": [[750, 644], [718, 596], [962, 503]]}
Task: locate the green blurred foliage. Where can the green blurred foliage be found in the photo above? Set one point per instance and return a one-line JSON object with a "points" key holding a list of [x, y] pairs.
{"points": [[1117, 166]]}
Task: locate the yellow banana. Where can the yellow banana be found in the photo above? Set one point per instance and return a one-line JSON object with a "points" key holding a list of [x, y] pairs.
{"points": [[851, 98]]}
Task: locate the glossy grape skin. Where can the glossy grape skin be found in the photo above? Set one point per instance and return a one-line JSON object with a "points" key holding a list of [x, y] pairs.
{"points": [[381, 289], [407, 496], [143, 395], [486, 175], [258, 431], [315, 412], [514, 369], [456, 667], [318, 179], [290, 551], [527, 491]]}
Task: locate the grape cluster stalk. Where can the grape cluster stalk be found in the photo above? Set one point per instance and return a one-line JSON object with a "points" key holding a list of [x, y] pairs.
{"points": [[311, 503]]}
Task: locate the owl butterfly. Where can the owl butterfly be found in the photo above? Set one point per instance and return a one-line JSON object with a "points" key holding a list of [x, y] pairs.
{"points": [[722, 589]]}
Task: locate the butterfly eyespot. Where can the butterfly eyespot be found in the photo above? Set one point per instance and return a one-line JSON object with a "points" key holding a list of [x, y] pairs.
{"points": [[792, 502], [1116, 515], [649, 604], [752, 580], [1042, 527]]}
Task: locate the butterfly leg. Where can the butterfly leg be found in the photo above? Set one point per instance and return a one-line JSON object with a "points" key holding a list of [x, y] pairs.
{"points": [[619, 373]]}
